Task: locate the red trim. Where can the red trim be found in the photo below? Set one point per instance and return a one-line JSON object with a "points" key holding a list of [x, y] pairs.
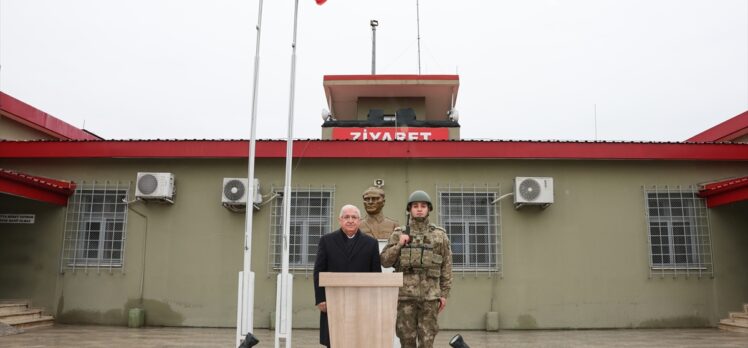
{"points": [[32, 117], [725, 131], [390, 77], [376, 149], [725, 192], [35, 187]]}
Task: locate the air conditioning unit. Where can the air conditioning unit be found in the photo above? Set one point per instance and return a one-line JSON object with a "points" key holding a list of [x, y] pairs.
{"points": [[235, 191], [155, 186], [533, 191]]}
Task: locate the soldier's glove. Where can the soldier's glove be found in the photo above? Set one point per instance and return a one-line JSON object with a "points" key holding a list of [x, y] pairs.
{"points": [[249, 341], [458, 342]]}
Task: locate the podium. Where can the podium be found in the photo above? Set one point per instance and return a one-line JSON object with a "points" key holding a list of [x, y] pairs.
{"points": [[361, 307]]}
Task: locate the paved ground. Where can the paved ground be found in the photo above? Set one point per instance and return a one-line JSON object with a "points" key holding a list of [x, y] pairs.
{"points": [[109, 336]]}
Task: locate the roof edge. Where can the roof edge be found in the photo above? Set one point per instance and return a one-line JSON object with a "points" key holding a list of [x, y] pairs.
{"points": [[32, 117], [729, 130], [377, 149], [390, 77]]}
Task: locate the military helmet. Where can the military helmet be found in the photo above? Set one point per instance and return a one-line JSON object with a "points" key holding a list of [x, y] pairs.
{"points": [[419, 196]]}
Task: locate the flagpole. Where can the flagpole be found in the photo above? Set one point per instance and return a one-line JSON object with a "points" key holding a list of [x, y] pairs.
{"points": [[284, 295], [245, 301]]}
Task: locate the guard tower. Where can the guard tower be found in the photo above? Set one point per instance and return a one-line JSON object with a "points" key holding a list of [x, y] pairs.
{"points": [[391, 107]]}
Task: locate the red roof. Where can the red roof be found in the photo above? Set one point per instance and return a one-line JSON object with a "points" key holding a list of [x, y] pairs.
{"points": [[725, 191], [35, 187], [32, 117], [729, 130], [465, 149]]}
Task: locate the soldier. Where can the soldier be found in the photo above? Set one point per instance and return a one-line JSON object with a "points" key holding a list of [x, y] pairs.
{"points": [[376, 224], [421, 251]]}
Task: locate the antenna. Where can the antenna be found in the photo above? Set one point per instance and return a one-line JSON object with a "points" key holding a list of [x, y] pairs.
{"points": [[418, 33], [595, 112], [374, 24]]}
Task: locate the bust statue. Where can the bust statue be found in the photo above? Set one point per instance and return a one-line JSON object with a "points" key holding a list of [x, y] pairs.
{"points": [[375, 223]]}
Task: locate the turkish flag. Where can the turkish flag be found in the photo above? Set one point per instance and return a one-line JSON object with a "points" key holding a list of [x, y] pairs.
{"points": [[320, 2]]}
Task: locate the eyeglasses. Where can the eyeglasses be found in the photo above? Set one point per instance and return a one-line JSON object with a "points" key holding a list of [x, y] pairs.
{"points": [[349, 217]]}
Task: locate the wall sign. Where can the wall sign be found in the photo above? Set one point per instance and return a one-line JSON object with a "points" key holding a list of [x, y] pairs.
{"points": [[17, 218], [390, 134]]}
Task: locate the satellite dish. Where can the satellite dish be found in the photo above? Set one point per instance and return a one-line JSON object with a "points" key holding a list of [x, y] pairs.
{"points": [[529, 189], [234, 190]]}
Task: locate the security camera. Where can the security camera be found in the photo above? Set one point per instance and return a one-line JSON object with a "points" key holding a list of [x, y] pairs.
{"points": [[326, 115], [453, 115]]}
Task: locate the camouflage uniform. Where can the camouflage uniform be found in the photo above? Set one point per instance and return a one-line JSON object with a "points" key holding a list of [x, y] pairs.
{"points": [[426, 263]]}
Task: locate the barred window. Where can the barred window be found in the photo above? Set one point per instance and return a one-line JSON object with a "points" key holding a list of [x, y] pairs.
{"points": [[472, 224], [678, 229], [311, 217], [95, 225]]}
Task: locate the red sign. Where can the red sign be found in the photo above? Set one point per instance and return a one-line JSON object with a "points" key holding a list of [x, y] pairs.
{"points": [[389, 134]]}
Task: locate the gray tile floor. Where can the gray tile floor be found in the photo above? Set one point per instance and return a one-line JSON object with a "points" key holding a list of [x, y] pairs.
{"points": [[110, 336]]}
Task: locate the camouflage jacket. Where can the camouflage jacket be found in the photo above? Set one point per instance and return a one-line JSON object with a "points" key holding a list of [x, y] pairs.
{"points": [[426, 262]]}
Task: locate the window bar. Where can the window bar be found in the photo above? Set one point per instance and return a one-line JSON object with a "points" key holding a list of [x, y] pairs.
{"points": [[79, 231], [468, 208], [708, 235], [692, 259], [664, 204], [472, 226], [499, 241], [273, 231], [87, 207], [671, 234], [102, 229], [686, 232], [647, 208], [696, 231], [306, 229], [72, 238], [124, 225]]}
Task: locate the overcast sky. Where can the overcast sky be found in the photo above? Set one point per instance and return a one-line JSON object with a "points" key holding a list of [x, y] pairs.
{"points": [[659, 70]]}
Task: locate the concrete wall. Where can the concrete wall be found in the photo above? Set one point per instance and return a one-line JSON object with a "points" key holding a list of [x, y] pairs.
{"points": [[581, 263], [12, 130]]}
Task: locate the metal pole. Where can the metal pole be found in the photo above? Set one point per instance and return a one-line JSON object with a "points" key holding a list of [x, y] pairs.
{"points": [[285, 280], [246, 288], [418, 32], [374, 23]]}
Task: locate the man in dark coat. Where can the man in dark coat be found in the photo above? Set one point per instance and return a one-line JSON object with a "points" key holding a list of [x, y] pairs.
{"points": [[344, 250]]}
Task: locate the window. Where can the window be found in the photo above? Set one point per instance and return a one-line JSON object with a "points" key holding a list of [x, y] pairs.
{"points": [[471, 221], [678, 231], [311, 217], [95, 225]]}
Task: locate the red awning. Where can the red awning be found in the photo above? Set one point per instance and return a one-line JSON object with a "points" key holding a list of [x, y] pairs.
{"points": [[725, 192], [35, 187]]}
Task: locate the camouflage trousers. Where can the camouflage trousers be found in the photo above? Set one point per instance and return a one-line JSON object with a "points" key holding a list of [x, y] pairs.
{"points": [[417, 320]]}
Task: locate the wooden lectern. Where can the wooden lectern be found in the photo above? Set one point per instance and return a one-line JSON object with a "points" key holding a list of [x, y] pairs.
{"points": [[361, 308]]}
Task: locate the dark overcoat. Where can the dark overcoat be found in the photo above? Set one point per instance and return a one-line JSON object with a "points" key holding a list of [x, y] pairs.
{"points": [[335, 254]]}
